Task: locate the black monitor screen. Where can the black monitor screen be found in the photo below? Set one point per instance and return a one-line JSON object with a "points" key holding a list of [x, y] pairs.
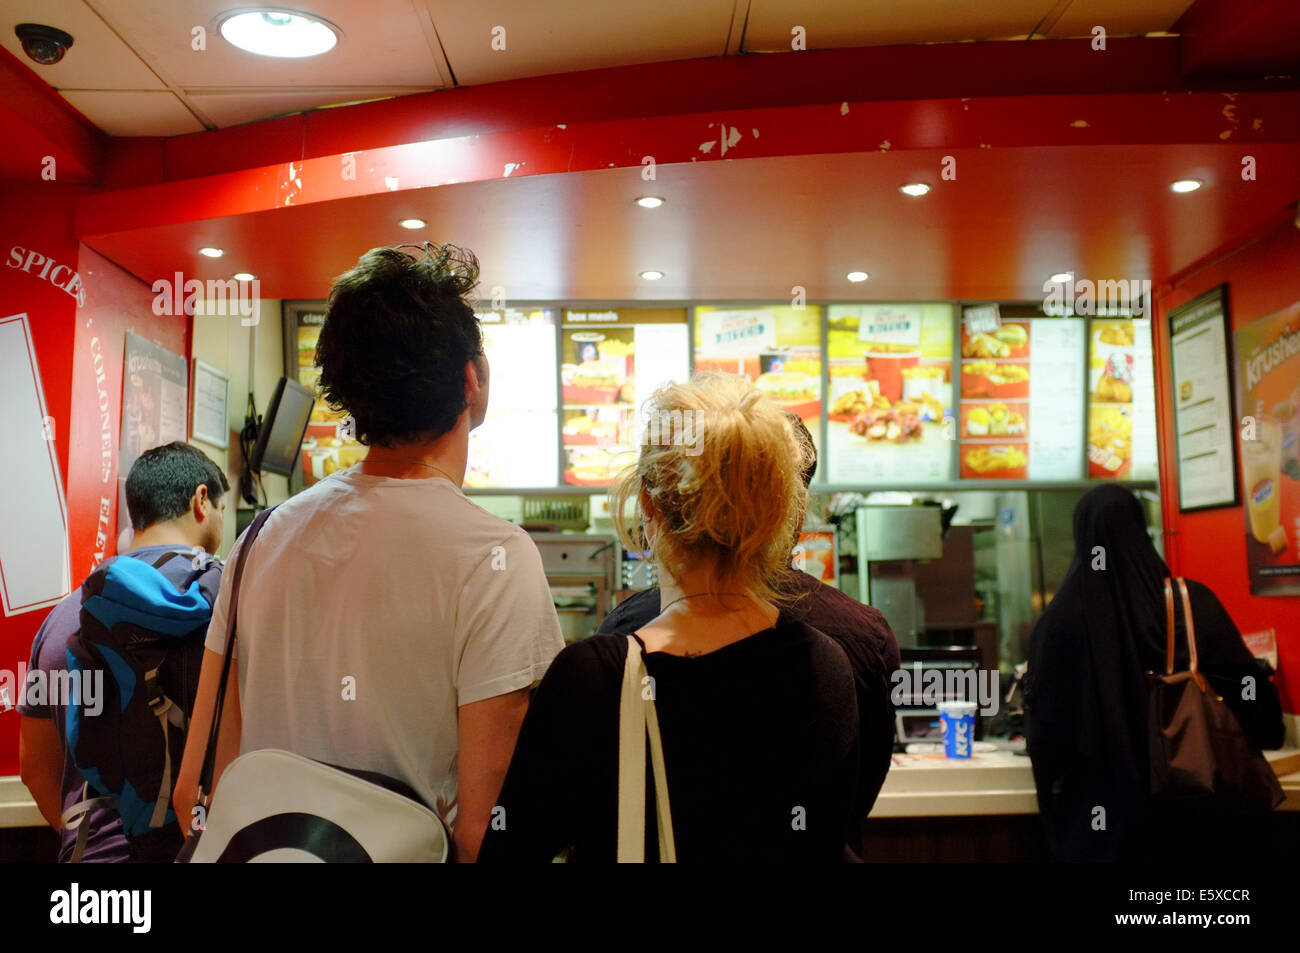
{"points": [[280, 436]]}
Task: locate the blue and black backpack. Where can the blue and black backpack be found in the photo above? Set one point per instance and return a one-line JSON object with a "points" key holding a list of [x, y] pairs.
{"points": [[146, 635]]}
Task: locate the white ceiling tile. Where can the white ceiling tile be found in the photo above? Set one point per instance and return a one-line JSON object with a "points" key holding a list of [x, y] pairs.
{"points": [[235, 106], [383, 44], [134, 113], [97, 59], [1119, 17], [561, 36], [843, 23]]}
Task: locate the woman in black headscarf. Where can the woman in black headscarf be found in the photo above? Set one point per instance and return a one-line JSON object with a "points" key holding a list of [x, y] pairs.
{"points": [[1086, 694]]}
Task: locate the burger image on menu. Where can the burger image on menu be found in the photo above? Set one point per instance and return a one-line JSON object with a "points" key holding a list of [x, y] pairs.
{"points": [[308, 335], [795, 392], [591, 383]]}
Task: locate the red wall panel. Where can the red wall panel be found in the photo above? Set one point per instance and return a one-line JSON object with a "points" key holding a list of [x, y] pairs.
{"points": [[1263, 276], [37, 220], [116, 302]]}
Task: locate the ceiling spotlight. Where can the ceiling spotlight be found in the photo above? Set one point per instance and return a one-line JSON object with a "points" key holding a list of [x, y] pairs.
{"points": [[1062, 277], [211, 252], [856, 276], [649, 201], [244, 276], [914, 188], [269, 31], [652, 275], [1185, 185], [413, 223]]}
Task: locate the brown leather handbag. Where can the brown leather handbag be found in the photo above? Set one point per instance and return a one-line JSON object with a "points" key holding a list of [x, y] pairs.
{"points": [[1198, 748]]}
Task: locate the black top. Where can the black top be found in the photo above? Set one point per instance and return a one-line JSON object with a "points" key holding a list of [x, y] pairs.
{"points": [[1086, 692], [760, 750], [866, 639]]}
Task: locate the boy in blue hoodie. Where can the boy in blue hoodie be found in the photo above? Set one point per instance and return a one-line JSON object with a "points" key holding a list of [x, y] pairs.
{"points": [[176, 499]]}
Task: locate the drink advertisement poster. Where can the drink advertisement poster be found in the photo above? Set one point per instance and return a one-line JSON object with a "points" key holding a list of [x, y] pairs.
{"points": [[1268, 407], [155, 397]]}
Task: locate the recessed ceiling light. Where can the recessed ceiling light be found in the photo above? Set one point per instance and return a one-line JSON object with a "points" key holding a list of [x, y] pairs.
{"points": [[243, 276], [211, 252], [1061, 277], [413, 223], [1186, 185], [856, 276], [914, 188], [649, 201], [269, 31], [652, 275]]}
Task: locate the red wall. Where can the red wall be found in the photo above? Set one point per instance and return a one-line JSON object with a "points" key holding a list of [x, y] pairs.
{"points": [[1263, 276], [37, 219], [116, 302], [79, 351]]}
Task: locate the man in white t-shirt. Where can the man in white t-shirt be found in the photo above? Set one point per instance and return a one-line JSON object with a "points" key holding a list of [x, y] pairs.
{"points": [[386, 622]]}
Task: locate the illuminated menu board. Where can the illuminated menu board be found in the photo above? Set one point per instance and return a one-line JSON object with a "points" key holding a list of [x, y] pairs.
{"points": [[1021, 412], [515, 446], [891, 397], [330, 443], [1121, 401], [612, 360], [778, 347]]}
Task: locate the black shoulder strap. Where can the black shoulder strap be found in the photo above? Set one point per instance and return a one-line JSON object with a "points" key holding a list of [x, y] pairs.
{"points": [[171, 554], [210, 753]]}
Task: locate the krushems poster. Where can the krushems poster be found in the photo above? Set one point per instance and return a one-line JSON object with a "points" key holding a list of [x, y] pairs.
{"points": [[1268, 405]]}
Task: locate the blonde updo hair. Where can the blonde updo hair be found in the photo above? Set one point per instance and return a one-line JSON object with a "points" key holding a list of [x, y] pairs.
{"points": [[721, 468]]}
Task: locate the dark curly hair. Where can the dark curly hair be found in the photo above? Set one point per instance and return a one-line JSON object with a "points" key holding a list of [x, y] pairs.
{"points": [[396, 338], [162, 482]]}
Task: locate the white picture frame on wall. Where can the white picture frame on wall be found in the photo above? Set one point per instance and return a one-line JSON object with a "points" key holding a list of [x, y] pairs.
{"points": [[210, 406]]}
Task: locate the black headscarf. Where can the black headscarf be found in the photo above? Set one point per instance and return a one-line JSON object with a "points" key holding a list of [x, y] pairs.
{"points": [[1086, 697]]}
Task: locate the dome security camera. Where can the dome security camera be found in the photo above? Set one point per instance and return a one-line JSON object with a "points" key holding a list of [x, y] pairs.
{"points": [[43, 44]]}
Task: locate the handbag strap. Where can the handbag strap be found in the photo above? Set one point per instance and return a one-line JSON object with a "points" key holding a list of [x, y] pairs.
{"points": [[638, 718], [232, 615], [1169, 627], [1185, 599]]}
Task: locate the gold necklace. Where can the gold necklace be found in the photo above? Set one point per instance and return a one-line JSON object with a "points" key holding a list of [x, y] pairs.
{"points": [[417, 463]]}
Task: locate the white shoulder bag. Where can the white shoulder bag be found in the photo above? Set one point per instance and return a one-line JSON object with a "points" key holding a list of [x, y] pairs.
{"points": [[277, 806], [637, 719]]}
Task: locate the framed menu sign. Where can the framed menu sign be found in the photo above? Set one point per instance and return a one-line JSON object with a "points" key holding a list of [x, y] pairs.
{"points": [[1020, 415], [1121, 400], [1202, 400], [890, 409], [611, 361], [515, 446], [778, 347]]}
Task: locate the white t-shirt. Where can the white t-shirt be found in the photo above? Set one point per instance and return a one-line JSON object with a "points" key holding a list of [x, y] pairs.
{"points": [[371, 609]]}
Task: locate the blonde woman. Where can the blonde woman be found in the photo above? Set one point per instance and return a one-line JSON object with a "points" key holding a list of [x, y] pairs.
{"points": [[758, 715]]}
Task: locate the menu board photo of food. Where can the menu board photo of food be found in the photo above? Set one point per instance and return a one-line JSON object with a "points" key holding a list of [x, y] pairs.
{"points": [[1121, 401], [995, 376], [891, 397], [515, 445], [612, 360], [777, 347], [1021, 397], [330, 443], [1267, 354]]}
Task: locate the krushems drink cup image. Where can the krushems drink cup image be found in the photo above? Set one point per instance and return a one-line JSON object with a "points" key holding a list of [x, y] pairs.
{"points": [[1262, 468]]}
